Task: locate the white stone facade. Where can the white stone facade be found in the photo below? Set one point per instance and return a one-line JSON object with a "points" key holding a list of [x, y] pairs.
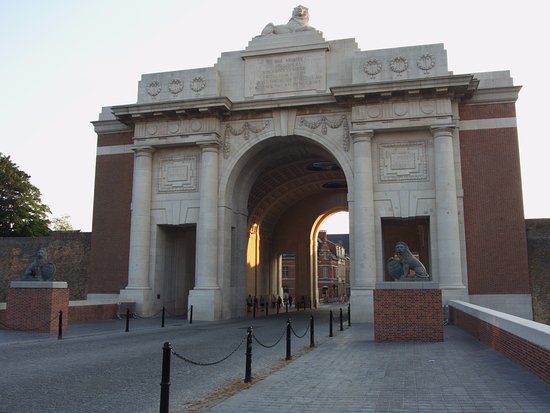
{"points": [[204, 137]]}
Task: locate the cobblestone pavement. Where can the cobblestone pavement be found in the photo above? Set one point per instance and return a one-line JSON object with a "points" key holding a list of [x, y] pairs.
{"points": [[98, 367]]}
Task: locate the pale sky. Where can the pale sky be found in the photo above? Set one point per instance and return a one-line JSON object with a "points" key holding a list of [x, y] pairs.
{"points": [[61, 61]]}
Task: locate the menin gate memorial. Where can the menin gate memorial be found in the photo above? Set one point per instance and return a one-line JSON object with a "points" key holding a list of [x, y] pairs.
{"points": [[214, 173]]}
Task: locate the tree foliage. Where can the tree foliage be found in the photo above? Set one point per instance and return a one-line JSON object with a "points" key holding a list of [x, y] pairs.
{"points": [[61, 224], [22, 213]]}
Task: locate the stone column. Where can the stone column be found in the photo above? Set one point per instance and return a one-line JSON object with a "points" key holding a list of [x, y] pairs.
{"points": [[363, 255], [448, 234], [138, 288], [205, 297]]}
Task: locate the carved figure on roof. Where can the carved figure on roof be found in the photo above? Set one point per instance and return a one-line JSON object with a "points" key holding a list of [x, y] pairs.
{"points": [[404, 266], [298, 22]]}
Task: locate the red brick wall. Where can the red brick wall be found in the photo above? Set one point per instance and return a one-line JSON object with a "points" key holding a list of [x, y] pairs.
{"points": [[37, 309], [496, 243], [530, 356], [408, 315], [111, 218]]}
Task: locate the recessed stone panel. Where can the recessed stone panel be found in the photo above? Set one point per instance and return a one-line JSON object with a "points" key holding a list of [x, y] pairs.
{"points": [[178, 174], [401, 162]]}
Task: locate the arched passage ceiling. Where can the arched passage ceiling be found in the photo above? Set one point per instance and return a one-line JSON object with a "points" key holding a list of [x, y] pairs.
{"points": [[291, 172]]}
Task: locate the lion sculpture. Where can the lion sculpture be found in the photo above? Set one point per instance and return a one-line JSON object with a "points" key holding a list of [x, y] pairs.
{"points": [[298, 22], [404, 262], [40, 269]]}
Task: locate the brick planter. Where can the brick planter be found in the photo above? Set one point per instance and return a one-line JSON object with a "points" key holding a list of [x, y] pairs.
{"points": [[408, 315], [35, 305]]}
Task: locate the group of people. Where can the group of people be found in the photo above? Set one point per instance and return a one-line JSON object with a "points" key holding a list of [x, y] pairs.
{"points": [[276, 302]]}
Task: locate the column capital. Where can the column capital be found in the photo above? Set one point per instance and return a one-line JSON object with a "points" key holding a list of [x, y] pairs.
{"points": [[442, 130], [143, 150], [364, 135]]}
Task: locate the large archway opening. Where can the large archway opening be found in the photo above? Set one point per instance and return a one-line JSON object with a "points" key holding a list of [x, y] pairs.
{"points": [[295, 185]]}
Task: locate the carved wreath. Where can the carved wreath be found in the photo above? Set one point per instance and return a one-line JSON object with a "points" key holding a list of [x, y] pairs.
{"points": [[372, 67], [399, 64], [154, 88], [198, 84]]}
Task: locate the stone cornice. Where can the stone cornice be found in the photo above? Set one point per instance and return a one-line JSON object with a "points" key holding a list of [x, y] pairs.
{"points": [[452, 86], [196, 107], [495, 95]]}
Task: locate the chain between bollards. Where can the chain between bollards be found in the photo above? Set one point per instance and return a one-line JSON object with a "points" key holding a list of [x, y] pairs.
{"points": [[341, 321], [330, 325], [165, 378], [248, 366], [127, 320], [60, 326], [288, 329]]}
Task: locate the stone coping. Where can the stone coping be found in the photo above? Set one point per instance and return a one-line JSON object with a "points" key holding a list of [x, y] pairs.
{"points": [[82, 303], [407, 285], [38, 284], [536, 333]]}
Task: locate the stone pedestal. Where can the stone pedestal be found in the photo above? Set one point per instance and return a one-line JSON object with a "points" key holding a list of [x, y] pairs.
{"points": [[407, 312], [35, 305]]}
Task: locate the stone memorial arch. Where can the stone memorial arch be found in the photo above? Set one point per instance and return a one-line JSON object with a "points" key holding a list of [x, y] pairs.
{"points": [[215, 172]]}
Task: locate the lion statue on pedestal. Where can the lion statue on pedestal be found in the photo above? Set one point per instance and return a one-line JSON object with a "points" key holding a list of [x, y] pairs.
{"points": [[298, 22], [404, 266]]}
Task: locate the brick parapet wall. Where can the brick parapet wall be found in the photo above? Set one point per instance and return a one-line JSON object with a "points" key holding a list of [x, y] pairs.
{"points": [[37, 309], [522, 341], [93, 312], [408, 315], [69, 251]]}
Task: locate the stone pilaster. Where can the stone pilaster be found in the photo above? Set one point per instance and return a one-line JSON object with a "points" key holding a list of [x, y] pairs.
{"points": [[448, 234], [362, 209], [206, 296], [138, 288]]}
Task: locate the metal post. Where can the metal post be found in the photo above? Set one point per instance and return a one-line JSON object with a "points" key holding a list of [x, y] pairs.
{"points": [[60, 326], [288, 328], [165, 380], [341, 321], [248, 367], [311, 332], [330, 325], [127, 320], [191, 315], [349, 315], [163, 310], [254, 310], [286, 308], [266, 309]]}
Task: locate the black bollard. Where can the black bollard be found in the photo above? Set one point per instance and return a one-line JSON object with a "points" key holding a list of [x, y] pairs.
{"points": [[248, 367], [311, 332], [349, 315], [286, 308], [60, 326], [191, 315], [266, 309], [127, 320], [165, 378], [163, 310], [288, 352], [254, 311], [341, 321], [330, 325]]}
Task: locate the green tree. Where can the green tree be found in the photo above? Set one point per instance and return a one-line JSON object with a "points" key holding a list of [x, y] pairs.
{"points": [[61, 224], [22, 213]]}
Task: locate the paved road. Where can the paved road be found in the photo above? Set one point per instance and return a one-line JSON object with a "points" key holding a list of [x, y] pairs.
{"points": [[98, 367]]}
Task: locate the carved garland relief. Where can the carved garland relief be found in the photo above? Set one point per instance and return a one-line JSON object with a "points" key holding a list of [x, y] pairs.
{"points": [[244, 130], [324, 122]]}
